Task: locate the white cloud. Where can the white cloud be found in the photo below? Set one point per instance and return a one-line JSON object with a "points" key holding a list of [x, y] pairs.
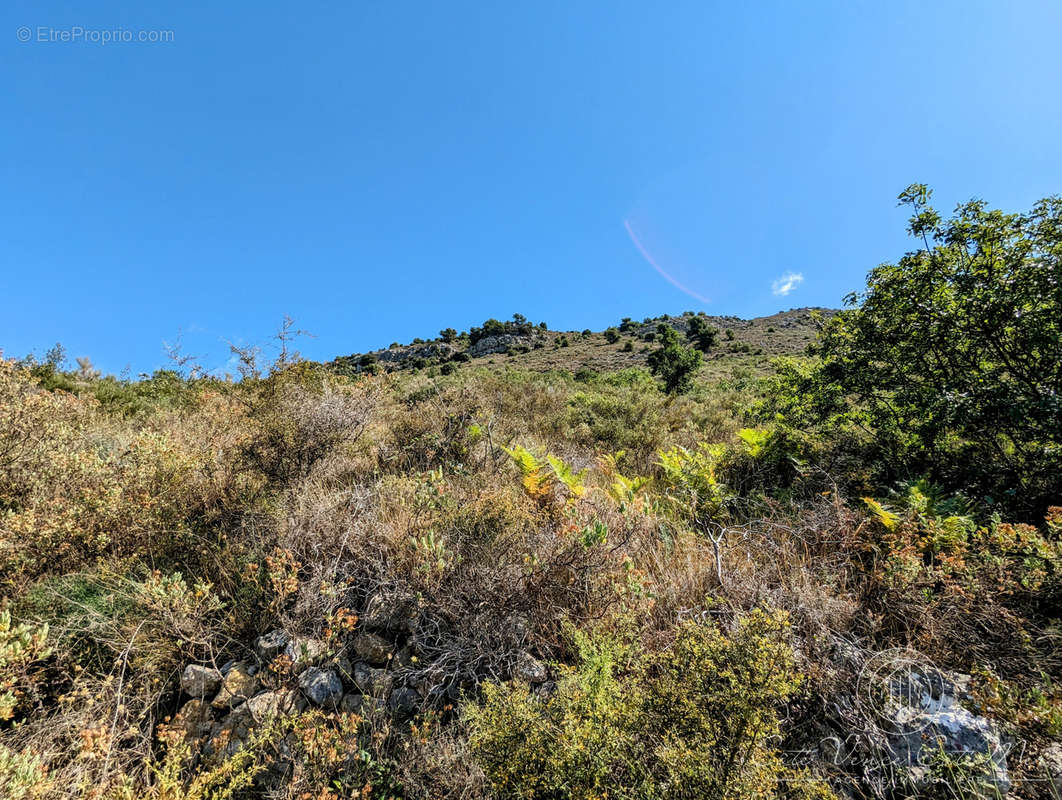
{"points": [[787, 283]]}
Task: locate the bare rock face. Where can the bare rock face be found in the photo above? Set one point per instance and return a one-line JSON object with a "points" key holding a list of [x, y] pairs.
{"points": [[322, 687], [238, 685], [500, 344], [199, 681], [439, 350]]}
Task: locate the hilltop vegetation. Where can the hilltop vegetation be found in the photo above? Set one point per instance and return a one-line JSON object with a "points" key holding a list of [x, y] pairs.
{"points": [[674, 570], [517, 344]]}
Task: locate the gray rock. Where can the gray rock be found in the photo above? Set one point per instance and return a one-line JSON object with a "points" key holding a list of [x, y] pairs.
{"points": [[1051, 767], [195, 720], [372, 681], [272, 644], [390, 611], [403, 703], [373, 648], [237, 686], [303, 651], [530, 669], [501, 343], [321, 686], [200, 681], [268, 705], [924, 716]]}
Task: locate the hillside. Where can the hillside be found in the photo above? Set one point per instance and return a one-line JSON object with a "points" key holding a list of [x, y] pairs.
{"points": [[495, 567], [740, 341]]}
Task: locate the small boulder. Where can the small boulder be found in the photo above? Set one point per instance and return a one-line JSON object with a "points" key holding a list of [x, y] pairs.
{"points": [[270, 645], [372, 681], [199, 681], [530, 669], [238, 685], [321, 686], [373, 648], [362, 705], [193, 721], [403, 703], [924, 717], [303, 651], [269, 705], [390, 611]]}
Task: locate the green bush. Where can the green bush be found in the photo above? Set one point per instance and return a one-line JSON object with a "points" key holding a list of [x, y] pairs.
{"points": [[696, 720], [673, 363]]}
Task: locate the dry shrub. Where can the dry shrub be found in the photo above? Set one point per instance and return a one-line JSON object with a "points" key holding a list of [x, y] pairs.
{"points": [[76, 484], [299, 417], [117, 649]]}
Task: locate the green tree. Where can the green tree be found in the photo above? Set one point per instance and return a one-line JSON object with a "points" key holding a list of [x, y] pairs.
{"points": [[674, 363], [448, 334], [951, 360], [612, 335], [703, 335]]}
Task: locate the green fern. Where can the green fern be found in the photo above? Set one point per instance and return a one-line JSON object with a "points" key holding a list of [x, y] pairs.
{"points": [[574, 482], [533, 472]]}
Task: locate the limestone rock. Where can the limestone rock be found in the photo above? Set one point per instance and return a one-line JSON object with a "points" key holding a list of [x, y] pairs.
{"points": [[530, 669], [270, 645], [238, 685], [321, 686], [373, 648], [924, 716], [199, 681], [269, 705], [500, 344], [303, 651]]}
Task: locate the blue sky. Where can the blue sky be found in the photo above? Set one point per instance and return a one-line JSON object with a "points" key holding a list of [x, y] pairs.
{"points": [[380, 170]]}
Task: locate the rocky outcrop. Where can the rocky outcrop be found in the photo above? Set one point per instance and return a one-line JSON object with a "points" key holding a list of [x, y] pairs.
{"points": [[381, 671], [439, 350], [502, 343]]}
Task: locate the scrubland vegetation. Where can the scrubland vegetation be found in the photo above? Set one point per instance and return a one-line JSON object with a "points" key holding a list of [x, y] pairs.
{"points": [[616, 585]]}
